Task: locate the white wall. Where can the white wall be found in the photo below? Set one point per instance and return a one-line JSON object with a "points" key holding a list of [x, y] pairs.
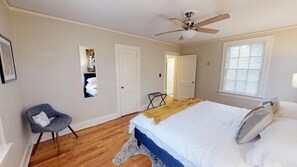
{"points": [[50, 66], [11, 101], [283, 65]]}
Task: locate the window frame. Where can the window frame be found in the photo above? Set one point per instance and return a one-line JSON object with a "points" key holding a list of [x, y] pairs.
{"points": [[4, 146], [264, 70]]}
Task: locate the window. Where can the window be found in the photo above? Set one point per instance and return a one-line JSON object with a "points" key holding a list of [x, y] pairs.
{"points": [[244, 67], [4, 147]]}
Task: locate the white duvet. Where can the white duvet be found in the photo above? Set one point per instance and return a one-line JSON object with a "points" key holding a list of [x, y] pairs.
{"points": [[200, 136]]}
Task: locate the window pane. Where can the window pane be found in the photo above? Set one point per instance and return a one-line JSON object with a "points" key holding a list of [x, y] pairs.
{"points": [[243, 69], [233, 63], [245, 50], [255, 62], [229, 85], [243, 63], [240, 86], [251, 88], [253, 75], [231, 74], [241, 75], [234, 51], [257, 49]]}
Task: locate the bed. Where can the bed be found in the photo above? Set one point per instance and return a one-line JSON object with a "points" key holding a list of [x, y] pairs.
{"points": [[202, 135]]}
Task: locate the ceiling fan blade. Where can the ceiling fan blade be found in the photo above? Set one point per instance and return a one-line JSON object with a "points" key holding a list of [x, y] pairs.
{"points": [[168, 32], [178, 22], [212, 20], [181, 38], [207, 30]]}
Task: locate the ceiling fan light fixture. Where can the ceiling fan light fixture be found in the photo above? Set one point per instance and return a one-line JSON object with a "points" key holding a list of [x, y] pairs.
{"points": [[189, 27], [188, 33]]}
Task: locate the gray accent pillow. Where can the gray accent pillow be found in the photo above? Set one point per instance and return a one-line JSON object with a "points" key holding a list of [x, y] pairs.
{"points": [[274, 103], [253, 123]]}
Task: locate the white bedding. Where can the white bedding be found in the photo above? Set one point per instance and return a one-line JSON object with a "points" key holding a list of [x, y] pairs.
{"points": [[91, 87], [200, 136]]}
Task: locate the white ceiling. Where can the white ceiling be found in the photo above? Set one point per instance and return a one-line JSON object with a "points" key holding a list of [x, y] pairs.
{"points": [[148, 17]]}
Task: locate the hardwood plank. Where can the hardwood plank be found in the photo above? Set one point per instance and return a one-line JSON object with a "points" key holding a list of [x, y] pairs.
{"points": [[95, 146]]}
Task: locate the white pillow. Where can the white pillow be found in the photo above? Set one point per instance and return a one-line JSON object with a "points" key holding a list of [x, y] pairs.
{"points": [[277, 146], [91, 85], [92, 80], [41, 119], [287, 110]]}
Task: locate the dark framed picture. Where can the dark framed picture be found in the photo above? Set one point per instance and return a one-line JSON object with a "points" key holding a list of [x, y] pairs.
{"points": [[7, 66]]}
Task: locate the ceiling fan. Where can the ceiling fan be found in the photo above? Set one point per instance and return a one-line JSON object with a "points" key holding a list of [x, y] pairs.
{"points": [[189, 27]]}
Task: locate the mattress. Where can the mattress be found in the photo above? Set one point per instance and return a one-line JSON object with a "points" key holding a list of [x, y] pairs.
{"points": [[200, 136]]}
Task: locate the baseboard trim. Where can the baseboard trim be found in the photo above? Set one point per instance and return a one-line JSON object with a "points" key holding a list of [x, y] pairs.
{"points": [[92, 122], [78, 126], [26, 156]]}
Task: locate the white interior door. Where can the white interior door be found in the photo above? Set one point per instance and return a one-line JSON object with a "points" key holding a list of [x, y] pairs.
{"points": [[170, 76], [186, 76], [127, 60]]}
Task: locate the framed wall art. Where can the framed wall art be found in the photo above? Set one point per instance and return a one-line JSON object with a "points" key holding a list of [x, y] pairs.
{"points": [[7, 65]]}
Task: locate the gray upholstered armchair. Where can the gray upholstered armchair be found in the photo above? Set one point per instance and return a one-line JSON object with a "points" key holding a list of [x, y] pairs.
{"points": [[60, 122]]}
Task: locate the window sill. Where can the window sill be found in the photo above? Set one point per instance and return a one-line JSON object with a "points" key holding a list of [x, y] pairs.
{"points": [[241, 96], [3, 152]]}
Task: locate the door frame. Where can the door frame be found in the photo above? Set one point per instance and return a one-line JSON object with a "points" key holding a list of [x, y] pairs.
{"points": [[118, 85], [175, 55]]}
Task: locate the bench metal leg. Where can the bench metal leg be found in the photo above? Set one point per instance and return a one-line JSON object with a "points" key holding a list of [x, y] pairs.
{"points": [[151, 103], [163, 99]]}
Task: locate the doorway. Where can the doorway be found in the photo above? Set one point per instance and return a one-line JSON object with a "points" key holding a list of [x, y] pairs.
{"points": [[170, 75]]}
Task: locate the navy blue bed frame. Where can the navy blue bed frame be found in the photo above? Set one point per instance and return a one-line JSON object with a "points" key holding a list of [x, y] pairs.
{"points": [[163, 155]]}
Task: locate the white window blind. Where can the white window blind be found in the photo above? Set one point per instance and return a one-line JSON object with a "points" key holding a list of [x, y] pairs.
{"points": [[242, 67]]}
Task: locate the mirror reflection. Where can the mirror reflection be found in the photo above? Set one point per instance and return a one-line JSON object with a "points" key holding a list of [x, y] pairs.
{"points": [[88, 71]]}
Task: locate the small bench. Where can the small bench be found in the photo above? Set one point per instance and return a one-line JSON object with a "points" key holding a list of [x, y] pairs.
{"points": [[152, 96]]}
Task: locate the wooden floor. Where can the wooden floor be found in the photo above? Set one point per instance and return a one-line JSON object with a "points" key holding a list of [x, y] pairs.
{"points": [[95, 147]]}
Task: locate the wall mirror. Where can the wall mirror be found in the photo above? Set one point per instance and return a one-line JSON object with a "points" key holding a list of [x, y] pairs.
{"points": [[88, 71]]}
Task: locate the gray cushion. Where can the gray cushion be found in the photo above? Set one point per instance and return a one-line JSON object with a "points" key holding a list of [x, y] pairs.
{"points": [[274, 103], [253, 123]]}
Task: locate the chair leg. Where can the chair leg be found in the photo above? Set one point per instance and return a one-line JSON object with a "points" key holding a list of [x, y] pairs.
{"points": [[36, 145], [72, 131], [58, 144], [53, 135]]}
